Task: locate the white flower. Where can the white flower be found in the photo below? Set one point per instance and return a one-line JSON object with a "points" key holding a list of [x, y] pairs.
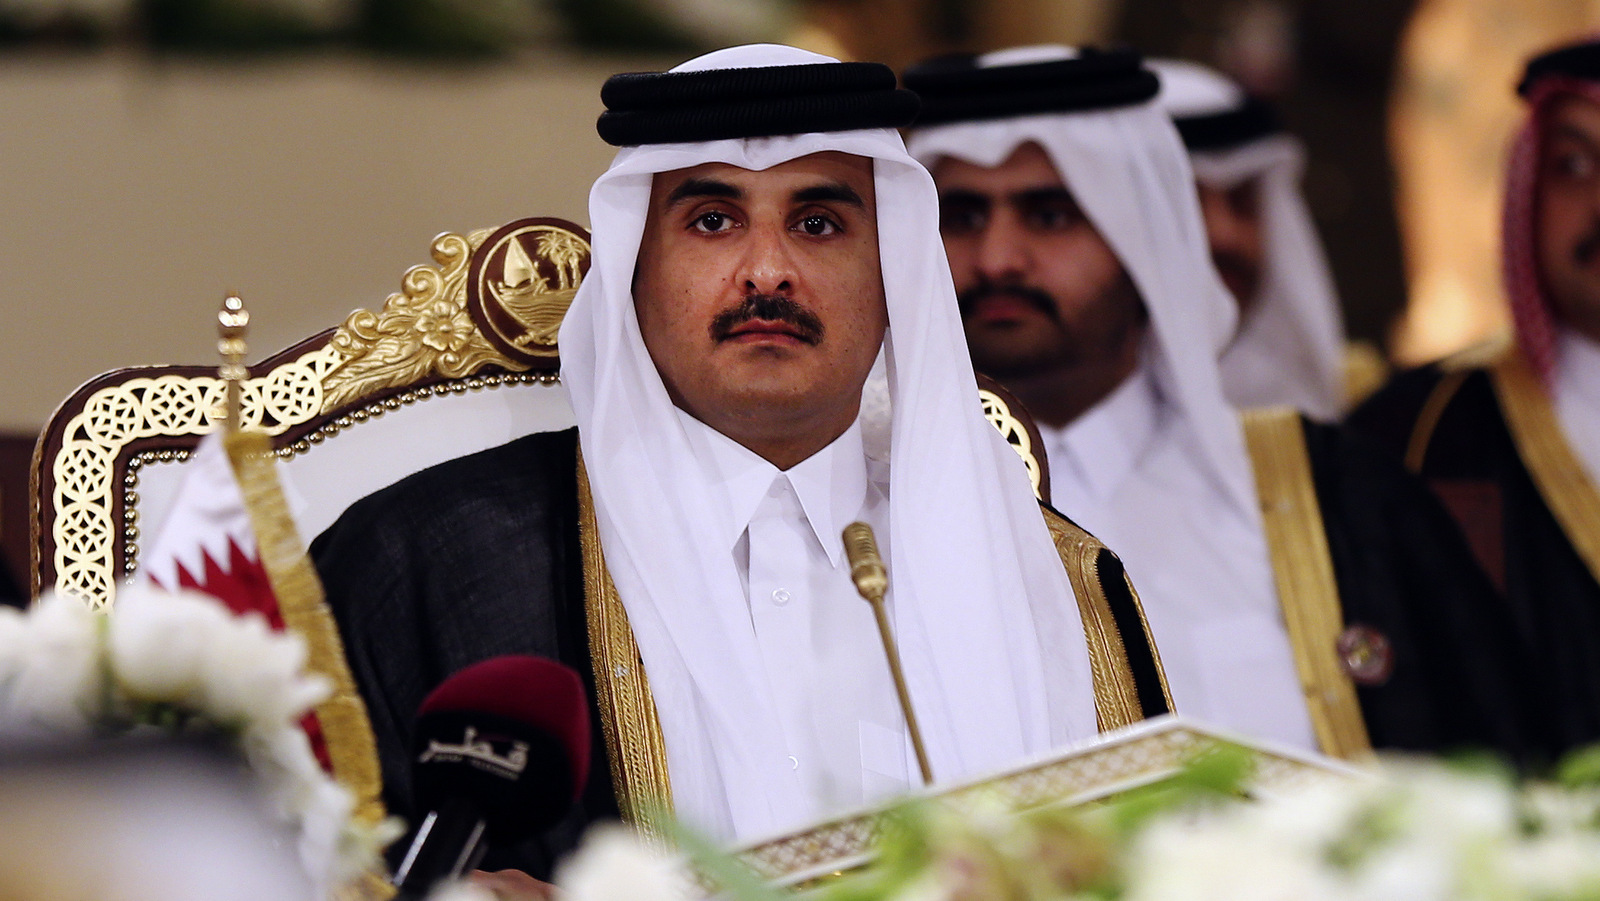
{"points": [[67, 670], [53, 679], [1318, 814], [1225, 857], [1444, 806], [1562, 866], [157, 642], [460, 890], [1553, 809], [1407, 872], [613, 864], [253, 673]]}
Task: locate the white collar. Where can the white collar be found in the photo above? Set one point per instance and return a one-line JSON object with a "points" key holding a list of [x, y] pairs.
{"points": [[1106, 442], [1578, 367], [831, 483]]}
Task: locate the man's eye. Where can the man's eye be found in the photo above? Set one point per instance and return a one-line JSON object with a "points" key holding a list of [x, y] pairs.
{"points": [[1052, 218], [818, 226], [1575, 164], [712, 223], [957, 221]]}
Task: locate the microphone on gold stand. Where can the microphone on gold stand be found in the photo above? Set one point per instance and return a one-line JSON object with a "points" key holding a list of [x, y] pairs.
{"points": [[872, 580]]}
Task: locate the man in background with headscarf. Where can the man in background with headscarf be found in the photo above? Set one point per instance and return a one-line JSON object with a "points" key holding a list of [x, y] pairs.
{"points": [[1289, 347], [1300, 591], [1509, 437], [759, 240]]}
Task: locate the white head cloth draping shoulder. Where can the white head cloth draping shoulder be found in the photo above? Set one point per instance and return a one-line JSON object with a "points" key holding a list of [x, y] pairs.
{"points": [[983, 610], [1127, 169], [1290, 349]]}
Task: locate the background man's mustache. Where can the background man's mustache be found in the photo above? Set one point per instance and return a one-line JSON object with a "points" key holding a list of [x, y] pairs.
{"points": [[771, 308], [1034, 297]]}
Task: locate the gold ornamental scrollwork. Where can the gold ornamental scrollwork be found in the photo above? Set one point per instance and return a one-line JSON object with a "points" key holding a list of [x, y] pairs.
{"points": [[999, 414], [85, 532], [422, 331]]}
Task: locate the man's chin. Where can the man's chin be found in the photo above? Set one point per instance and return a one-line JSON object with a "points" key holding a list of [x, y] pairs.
{"points": [[1012, 360]]}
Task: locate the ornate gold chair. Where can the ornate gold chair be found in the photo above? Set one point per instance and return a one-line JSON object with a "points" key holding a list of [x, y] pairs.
{"points": [[462, 358]]}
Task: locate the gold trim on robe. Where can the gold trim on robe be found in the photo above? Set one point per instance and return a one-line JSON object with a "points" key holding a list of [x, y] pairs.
{"points": [[346, 729], [1302, 569], [1116, 693], [1563, 482], [1428, 417], [628, 719]]}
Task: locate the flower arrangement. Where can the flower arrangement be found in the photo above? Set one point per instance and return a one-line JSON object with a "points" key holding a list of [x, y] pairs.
{"points": [[181, 663], [1415, 831]]}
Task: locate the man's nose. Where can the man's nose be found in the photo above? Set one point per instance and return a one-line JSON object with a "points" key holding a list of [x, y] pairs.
{"points": [[768, 266], [1003, 252], [1224, 230]]}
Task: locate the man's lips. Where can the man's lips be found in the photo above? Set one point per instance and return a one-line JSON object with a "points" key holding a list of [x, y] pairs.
{"points": [[1000, 307], [756, 330]]}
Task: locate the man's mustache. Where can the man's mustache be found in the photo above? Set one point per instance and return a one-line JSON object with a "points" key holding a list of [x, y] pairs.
{"points": [[1034, 297], [1587, 248], [769, 308]]}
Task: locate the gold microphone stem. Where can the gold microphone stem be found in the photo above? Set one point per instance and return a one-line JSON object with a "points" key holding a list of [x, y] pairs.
{"points": [[872, 581], [900, 687]]}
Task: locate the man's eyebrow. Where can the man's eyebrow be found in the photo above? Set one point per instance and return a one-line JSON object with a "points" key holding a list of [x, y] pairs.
{"points": [[695, 188], [1574, 133], [1037, 196], [833, 191], [964, 197]]}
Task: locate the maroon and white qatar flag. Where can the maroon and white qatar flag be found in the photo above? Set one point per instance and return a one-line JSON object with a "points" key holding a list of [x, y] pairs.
{"points": [[208, 544]]}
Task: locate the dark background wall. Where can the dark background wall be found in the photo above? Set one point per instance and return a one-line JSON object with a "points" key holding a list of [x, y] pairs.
{"points": [[1331, 75]]}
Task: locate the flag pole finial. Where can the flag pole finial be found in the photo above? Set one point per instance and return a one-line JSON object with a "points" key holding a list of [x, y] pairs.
{"points": [[233, 321]]}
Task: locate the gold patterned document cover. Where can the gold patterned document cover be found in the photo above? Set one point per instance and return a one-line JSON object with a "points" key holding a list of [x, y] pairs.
{"points": [[1111, 763]]}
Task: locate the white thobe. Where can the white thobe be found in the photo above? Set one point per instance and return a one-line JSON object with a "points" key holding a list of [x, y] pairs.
{"points": [[1577, 396], [818, 640], [1130, 473]]}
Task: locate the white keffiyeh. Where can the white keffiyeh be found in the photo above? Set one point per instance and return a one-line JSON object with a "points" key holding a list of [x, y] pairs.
{"points": [[1290, 348], [1126, 168]]}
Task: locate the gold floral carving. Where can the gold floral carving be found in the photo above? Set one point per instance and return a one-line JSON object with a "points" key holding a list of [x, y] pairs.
{"points": [[1000, 416], [422, 331]]}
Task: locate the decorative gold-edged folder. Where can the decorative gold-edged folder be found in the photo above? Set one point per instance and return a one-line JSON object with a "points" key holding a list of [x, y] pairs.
{"points": [[1114, 762]]}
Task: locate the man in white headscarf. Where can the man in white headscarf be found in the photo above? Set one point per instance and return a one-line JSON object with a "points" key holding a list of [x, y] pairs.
{"points": [[761, 237], [1072, 229], [1289, 347]]}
